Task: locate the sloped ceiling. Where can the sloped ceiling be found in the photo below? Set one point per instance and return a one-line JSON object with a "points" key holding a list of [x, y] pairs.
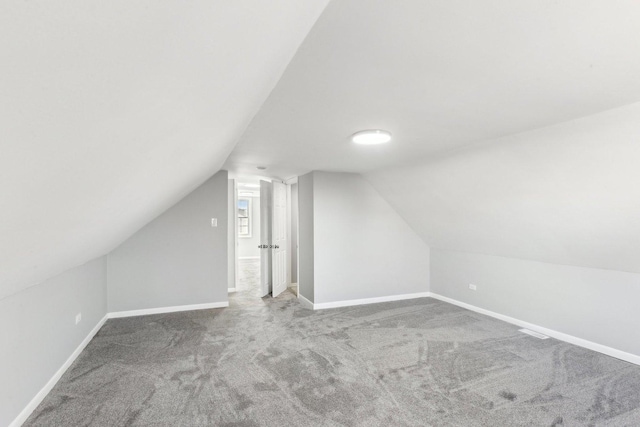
{"points": [[440, 74], [514, 123], [565, 194], [111, 111]]}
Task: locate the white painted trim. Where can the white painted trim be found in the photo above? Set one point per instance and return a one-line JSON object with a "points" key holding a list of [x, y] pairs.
{"points": [[33, 404], [173, 309], [600, 348], [348, 303], [231, 290], [305, 302], [618, 354], [236, 248], [249, 257]]}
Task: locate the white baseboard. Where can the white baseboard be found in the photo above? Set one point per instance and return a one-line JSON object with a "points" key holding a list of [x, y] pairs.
{"points": [[173, 309], [33, 404], [249, 257], [351, 302], [305, 302], [618, 354], [231, 290]]}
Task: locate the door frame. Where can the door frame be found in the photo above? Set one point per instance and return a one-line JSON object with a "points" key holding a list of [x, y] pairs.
{"points": [[293, 245]]}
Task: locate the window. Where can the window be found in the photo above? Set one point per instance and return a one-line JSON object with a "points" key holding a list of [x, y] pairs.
{"points": [[244, 217]]}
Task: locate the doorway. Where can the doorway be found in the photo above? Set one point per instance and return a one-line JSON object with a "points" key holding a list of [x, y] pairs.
{"points": [[265, 236], [248, 237]]}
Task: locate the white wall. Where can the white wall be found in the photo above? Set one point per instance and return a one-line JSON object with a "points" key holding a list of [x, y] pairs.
{"points": [[564, 197], [596, 305], [178, 258], [113, 111], [362, 247], [231, 236], [306, 285], [294, 233], [564, 194], [38, 331], [248, 246]]}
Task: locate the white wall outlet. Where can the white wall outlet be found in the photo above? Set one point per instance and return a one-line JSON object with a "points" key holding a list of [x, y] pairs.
{"points": [[78, 318], [214, 222], [472, 287]]}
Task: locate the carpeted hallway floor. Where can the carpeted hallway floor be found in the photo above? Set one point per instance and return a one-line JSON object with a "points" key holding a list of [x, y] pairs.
{"points": [[273, 363], [248, 276]]}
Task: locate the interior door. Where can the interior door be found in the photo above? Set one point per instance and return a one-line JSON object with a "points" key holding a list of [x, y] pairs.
{"points": [[279, 238], [265, 237]]}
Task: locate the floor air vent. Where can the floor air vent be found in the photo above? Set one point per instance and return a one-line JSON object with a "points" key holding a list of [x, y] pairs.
{"points": [[533, 334]]}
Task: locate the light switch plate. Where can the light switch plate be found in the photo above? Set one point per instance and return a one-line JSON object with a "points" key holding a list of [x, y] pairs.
{"points": [[214, 222]]}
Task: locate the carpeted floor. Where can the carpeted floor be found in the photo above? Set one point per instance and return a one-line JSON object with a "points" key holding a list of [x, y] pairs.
{"points": [[248, 275], [273, 363]]}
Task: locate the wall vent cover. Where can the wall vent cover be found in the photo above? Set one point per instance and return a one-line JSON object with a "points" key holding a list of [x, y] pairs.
{"points": [[533, 334]]}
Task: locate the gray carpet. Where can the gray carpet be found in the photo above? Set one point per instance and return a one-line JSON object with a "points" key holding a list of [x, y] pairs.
{"points": [[248, 275], [272, 363]]}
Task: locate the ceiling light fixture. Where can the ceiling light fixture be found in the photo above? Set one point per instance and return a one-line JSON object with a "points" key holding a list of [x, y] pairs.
{"points": [[371, 137], [251, 185], [261, 168]]}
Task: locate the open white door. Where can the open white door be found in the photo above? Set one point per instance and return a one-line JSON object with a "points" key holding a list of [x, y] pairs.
{"points": [[279, 238], [265, 238]]}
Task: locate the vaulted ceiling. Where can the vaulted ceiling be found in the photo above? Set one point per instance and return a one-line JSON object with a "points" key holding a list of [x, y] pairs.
{"points": [[564, 194], [515, 131], [440, 74], [112, 111]]}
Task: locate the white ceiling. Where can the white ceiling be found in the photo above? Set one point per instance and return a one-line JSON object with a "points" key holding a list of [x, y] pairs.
{"points": [[111, 111], [480, 97], [565, 194], [440, 75]]}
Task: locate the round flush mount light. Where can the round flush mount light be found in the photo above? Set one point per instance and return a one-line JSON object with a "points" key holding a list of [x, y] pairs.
{"points": [[371, 137], [261, 168]]}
